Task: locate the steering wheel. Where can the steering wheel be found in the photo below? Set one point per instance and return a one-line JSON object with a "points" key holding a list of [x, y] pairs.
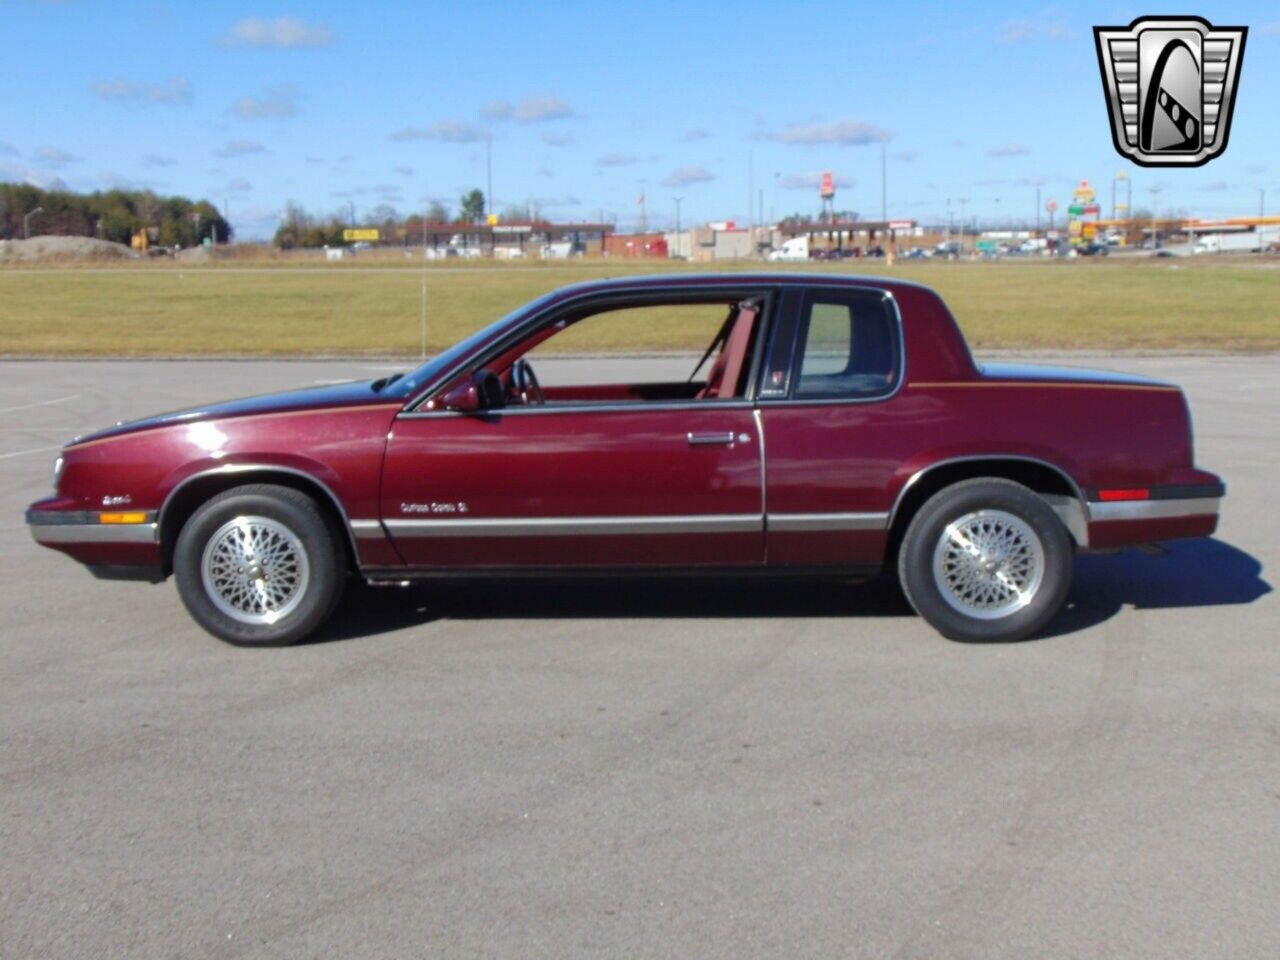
{"points": [[525, 382]]}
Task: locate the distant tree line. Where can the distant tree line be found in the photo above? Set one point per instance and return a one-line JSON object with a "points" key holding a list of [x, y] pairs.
{"points": [[114, 215], [298, 228]]}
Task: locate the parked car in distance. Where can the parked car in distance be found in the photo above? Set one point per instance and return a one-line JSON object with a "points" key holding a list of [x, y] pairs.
{"points": [[834, 427], [1092, 249]]}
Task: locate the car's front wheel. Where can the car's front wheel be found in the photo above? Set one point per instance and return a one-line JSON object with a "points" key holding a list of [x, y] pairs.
{"points": [[259, 565], [986, 560]]}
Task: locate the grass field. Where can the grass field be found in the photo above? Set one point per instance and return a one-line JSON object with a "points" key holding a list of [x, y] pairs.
{"points": [[368, 308]]}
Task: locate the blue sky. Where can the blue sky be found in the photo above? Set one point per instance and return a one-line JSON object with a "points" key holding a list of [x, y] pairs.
{"points": [[590, 104]]}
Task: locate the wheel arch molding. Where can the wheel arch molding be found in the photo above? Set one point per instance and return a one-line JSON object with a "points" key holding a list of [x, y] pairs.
{"points": [[1051, 481], [186, 496]]}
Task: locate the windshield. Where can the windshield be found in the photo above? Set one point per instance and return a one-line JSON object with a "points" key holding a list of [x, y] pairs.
{"points": [[417, 379]]}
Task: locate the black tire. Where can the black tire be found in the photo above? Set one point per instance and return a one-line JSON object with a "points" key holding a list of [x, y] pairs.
{"points": [[311, 530], [926, 592]]}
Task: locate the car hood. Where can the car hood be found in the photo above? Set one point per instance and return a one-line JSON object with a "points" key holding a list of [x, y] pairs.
{"points": [[1049, 374], [358, 393]]}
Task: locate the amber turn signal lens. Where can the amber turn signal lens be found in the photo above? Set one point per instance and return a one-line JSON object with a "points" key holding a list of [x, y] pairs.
{"points": [[132, 517]]}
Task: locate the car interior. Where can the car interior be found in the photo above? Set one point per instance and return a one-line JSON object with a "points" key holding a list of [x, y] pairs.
{"points": [[729, 354]]}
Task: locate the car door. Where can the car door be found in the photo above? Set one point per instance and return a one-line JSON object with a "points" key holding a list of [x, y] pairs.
{"points": [[579, 484], [833, 426]]}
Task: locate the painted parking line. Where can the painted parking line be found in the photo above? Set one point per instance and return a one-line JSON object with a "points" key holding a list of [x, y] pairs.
{"points": [[40, 403], [23, 453]]}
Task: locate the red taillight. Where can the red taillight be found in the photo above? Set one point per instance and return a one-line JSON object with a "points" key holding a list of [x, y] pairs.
{"points": [[1139, 493]]}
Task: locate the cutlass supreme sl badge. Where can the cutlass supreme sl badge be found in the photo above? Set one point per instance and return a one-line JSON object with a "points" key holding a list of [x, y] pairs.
{"points": [[1170, 85]]}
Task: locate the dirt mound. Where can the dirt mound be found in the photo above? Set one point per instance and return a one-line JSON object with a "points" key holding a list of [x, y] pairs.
{"points": [[62, 248]]}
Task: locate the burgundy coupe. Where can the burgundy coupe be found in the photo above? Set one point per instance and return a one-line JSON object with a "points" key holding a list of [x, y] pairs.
{"points": [[836, 426]]}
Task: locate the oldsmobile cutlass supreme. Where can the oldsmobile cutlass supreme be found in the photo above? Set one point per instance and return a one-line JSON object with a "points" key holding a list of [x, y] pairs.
{"points": [[835, 426]]}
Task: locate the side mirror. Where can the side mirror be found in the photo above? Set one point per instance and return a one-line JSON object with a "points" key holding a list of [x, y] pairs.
{"points": [[464, 398], [483, 391]]}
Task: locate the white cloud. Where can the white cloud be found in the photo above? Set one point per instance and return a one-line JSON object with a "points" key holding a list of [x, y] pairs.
{"points": [[240, 148], [1009, 150], [528, 110], [812, 181], [284, 33], [238, 185], [53, 157], [115, 181], [845, 133], [175, 91], [156, 160], [615, 160], [443, 131], [275, 104], [1045, 25], [557, 139], [687, 176], [905, 156], [1271, 29]]}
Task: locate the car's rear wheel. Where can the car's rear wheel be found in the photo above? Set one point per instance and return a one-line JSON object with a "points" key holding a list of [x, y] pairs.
{"points": [[986, 560], [259, 565]]}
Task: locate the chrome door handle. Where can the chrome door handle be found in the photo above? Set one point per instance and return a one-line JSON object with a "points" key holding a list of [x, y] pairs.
{"points": [[707, 439]]}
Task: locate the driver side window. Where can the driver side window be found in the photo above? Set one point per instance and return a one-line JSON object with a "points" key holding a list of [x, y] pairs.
{"points": [[642, 353]]}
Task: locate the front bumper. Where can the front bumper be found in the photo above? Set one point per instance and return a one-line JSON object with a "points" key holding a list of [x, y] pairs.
{"points": [[52, 527], [113, 545]]}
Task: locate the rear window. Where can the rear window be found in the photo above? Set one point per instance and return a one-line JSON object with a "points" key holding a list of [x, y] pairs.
{"points": [[848, 346]]}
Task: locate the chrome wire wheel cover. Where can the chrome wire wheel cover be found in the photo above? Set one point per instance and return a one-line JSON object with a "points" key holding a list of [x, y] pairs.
{"points": [[255, 570], [988, 564]]}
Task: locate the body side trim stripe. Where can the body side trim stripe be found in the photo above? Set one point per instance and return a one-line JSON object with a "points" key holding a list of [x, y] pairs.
{"points": [[1054, 384], [95, 533], [1152, 509], [576, 526], [826, 522]]}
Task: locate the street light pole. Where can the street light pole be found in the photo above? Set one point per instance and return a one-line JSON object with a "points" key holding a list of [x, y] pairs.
{"points": [[679, 245], [26, 222]]}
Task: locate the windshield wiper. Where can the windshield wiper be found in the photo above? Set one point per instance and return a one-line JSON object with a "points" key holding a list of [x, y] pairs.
{"points": [[382, 382]]}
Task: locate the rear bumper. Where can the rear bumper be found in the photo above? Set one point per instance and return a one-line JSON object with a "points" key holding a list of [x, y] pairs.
{"points": [[1154, 514]]}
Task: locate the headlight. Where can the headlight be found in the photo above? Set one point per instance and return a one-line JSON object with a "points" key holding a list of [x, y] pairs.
{"points": [[57, 472]]}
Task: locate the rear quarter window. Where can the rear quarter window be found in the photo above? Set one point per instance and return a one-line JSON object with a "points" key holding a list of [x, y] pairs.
{"points": [[848, 346]]}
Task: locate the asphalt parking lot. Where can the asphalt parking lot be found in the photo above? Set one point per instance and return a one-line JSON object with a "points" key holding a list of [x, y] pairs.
{"points": [[674, 770]]}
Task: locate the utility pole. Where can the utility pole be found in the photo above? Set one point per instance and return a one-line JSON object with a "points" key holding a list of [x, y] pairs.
{"points": [[963, 201], [1155, 196], [1037, 209], [948, 222], [26, 222], [884, 191], [1262, 215], [644, 217], [352, 204], [488, 174], [678, 200]]}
